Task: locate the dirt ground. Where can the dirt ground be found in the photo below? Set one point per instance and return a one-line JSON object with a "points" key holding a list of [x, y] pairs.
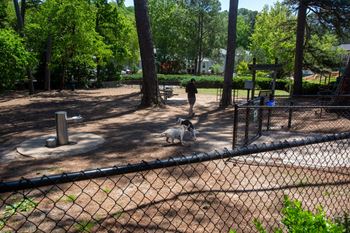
{"points": [[131, 134], [202, 197]]}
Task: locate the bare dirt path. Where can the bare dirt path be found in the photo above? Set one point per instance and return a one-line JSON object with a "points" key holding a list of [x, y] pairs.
{"points": [[131, 134]]}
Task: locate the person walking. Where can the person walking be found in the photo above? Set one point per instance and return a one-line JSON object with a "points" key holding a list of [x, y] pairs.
{"points": [[191, 91]]}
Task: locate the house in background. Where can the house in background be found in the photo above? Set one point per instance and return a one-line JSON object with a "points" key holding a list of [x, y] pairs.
{"points": [[346, 57], [207, 63]]}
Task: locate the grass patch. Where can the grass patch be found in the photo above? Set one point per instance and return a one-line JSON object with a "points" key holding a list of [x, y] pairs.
{"points": [[24, 205], [70, 198], [85, 226], [106, 190], [117, 214]]}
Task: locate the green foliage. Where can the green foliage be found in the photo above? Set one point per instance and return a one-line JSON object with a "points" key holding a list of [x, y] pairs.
{"points": [[3, 13], [274, 36], [323, 52], [24, 205], [213, 81], [311, 88], [116, 25], [217, 68], [90, 39], [298, 220], [106, 190], [85, 226], [243, 32], [76, 46], [178, 27], [259, 226], [14, 59], [70, 198], [117, 214], [242, 68]]}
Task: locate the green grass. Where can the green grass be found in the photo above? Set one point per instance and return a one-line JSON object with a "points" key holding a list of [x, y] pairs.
{"points": [[317, 81], [241, 93], [106, 190], [85, 226], [70, 198]]}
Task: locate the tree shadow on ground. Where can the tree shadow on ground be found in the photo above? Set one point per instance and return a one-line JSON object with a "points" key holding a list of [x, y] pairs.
{"points": [[131, 134]]}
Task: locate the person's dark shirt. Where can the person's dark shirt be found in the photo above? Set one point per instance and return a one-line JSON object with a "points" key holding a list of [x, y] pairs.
{"points": [[191, 90]]}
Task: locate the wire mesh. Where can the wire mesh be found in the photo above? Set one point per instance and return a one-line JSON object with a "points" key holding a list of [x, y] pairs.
{"points": [[212, 192], [254, 121]]}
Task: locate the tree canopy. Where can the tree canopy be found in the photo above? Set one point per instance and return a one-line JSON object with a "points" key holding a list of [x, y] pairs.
{"points": [[14, 58], [274, 37]]}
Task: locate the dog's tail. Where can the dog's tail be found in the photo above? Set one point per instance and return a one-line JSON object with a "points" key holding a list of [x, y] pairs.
{"points": [[165, 133]]}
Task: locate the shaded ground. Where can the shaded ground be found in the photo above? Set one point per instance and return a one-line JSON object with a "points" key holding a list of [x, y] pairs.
{"points": [[131, 134], [202, 197]]}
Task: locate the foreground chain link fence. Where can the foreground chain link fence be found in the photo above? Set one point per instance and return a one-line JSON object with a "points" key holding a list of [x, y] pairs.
{"points": [[212, 192], [254, 119]]}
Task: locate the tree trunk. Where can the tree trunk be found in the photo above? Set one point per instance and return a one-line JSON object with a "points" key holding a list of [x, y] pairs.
{"points": [[346, 81], [62, 77], [20, 14], [299, 49], [47, 73], [226, 99], [19, 17], [150, 89], [347, 70], [31, 81], [23, 10], [200, 41]]}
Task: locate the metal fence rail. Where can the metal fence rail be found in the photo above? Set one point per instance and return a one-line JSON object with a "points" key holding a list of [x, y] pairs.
{"points": [[252, 121], [210, 192]]}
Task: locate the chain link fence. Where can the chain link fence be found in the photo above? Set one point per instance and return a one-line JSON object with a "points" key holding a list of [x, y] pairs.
{"points": [[212, 192], [254, 119]]}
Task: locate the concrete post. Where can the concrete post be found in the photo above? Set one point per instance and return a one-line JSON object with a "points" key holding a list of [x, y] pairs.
{"points": [[61, 128]]}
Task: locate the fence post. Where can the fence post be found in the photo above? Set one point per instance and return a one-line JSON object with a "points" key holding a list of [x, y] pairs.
{"points": [[268, 118], [253, 77], [290, 115], [260, 115], [246, 133], [235, 126]]}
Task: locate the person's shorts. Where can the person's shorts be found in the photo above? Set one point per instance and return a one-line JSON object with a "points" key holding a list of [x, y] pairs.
{"points": [[191, 101]]}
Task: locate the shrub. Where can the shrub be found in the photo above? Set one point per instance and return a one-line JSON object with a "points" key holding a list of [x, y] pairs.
{"points": [[311, 88], [214, 81], [217, 68], [296, 220], [242, 68], [14, 58]]}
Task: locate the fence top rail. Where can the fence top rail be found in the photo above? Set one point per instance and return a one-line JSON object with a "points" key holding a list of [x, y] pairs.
{"points": [[293, 106], [23, 183]]}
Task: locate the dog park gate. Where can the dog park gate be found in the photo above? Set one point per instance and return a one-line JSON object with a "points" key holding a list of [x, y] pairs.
{"points": [[209, 192]]}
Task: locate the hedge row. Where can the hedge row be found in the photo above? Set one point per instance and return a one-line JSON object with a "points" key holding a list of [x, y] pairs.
{"points": [[214, 81]]}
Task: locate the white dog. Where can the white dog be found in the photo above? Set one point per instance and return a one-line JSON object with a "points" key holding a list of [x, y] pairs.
{"points": [[189, 125], [175, 133]]}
